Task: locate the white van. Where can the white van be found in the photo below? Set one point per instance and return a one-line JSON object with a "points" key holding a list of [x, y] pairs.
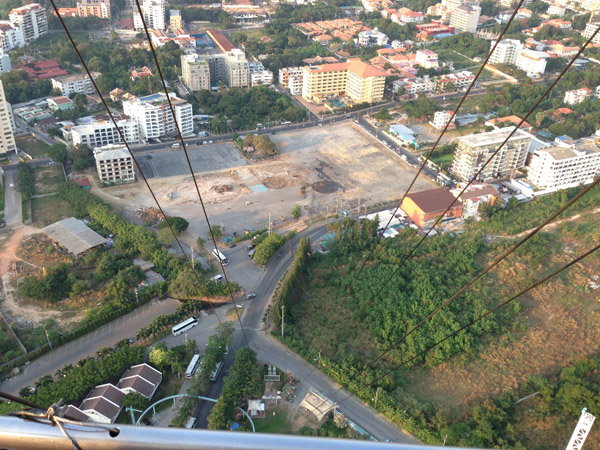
{"points": [[217, 278]]}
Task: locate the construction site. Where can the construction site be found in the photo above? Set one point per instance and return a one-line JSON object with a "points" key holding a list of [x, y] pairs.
{"points": [[323, 170]]}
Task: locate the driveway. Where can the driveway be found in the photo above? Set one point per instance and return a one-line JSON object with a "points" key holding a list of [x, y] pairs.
{"points": [[12, 200]]}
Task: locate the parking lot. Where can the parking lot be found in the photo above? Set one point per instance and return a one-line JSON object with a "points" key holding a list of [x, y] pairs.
{"points": [[204, 158]]}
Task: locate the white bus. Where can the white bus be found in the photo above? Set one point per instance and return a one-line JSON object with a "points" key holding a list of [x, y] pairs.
{"points": [[191, 368], [215, 373], [191, 422], [184, 326], [220, 256]]}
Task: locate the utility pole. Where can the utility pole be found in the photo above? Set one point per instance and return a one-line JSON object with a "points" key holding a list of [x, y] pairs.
{"points": [[47, 337], [282, 323], [192, 258], [269, 223], [376, 396], [137, 300]]}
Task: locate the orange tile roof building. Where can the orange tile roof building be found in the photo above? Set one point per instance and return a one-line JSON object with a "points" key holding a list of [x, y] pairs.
{"points": [[424, 207], [98, 8], [361, 82]]}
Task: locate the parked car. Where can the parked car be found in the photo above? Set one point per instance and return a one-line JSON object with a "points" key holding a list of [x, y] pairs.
{"points": [[250, 247], [250, 296]]}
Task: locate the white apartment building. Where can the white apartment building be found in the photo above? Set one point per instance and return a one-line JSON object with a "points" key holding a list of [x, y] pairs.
{"points": [[532, 62], [441, 118], [5, 65], [230, 67], [474, 150], [465, 18], [291, 78], [506, 52], [114, 163], [7, 137], [258, 74], [154, 15], [372, 38], [195, 72], [427, 59], [417, 85], [101, 131], [75, 83], [11, 36], [577, 96], [31, 19], [563, 167], [154, 118], [556, 10], [590, 29]]}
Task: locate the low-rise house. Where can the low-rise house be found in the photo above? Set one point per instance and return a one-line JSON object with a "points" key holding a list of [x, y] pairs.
{"points": [[424, 207], [61, 103], [475, 196], [143, 379], [104, 403]]}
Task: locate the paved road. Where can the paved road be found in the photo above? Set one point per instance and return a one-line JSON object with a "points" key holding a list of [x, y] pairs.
{"points": [[37, 133], [107, 335], [12, 200]]}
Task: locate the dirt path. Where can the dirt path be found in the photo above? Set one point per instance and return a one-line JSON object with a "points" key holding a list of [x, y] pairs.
{"points": [[548, 227], [8, 250]]}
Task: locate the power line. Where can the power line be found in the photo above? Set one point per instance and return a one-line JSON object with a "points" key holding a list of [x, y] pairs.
{"points": [[481, 317], [333, 315], [132, 155], [189, 163], [506, 254]]}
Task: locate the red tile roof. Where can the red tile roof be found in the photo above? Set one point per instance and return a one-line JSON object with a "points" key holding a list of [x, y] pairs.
{"points": [[435, 200], [219, 38]]}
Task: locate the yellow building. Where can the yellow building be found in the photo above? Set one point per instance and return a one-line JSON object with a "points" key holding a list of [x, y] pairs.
{"points": [[98, 8], [195, 72], [361, 82], [175, 20]]}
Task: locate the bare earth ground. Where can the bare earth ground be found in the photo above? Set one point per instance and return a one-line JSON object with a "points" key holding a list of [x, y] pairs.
{"points": [[337, 165], [21, 311]]}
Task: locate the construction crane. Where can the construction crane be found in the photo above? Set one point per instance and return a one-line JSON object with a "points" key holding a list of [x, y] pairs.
{"points": [[581, 430]]}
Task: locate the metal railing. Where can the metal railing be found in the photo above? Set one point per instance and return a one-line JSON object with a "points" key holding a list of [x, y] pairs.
{"points": [[17, 433]]}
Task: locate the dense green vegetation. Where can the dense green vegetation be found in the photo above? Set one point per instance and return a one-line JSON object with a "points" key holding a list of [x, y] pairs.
{"points": [[374, 316], [245, 108], [113, 62], [19, 89], [243, 382], [77, 381], [267, 248], [464, 43], [213, 353], [25, 181], [492, 425], [516, 217]]}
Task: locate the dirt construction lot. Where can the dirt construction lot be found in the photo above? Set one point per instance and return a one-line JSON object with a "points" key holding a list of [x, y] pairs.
{"points": [[330, 167]]}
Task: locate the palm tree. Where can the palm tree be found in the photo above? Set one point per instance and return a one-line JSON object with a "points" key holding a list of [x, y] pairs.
{"points": [[103, 352], [60, 373], [43, 381], [25, 392]]}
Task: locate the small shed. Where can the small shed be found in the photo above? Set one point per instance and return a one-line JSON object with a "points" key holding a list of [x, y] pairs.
{"points": [[74, 235], [256, 408]]}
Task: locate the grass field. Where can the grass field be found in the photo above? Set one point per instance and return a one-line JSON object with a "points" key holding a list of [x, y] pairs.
{"points": [[443, 160], [48, 178], [47, 210], [32, 146], [277, 423]]}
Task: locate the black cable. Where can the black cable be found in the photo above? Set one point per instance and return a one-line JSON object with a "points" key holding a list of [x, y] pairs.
{"points": [[210, 231], [333, 315], [87, 70], [14, 398], [483, 316]]}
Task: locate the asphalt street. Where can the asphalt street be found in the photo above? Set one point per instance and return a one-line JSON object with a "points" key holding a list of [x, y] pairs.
{"points": [[122, 328], [12, 200]]}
